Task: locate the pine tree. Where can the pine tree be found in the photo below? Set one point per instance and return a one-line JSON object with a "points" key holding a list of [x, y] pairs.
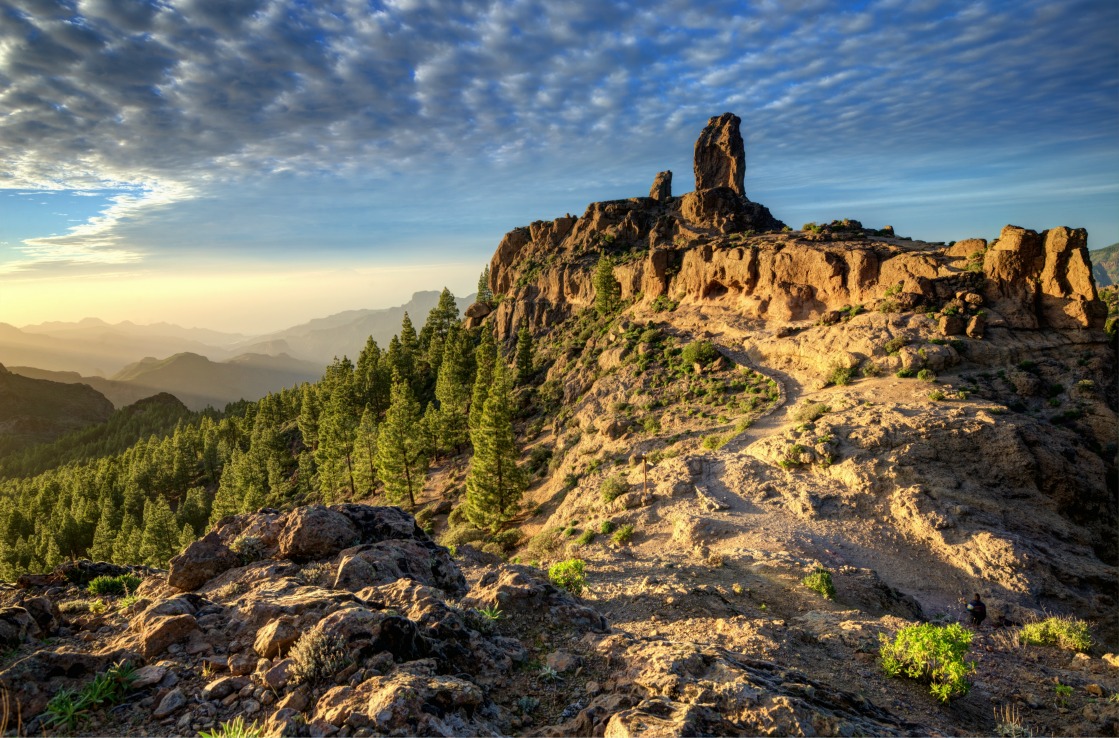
{"points": [[309, 417], [160, 536], [495, 483], [365, 454], [372, 378], [607, 290], [485, 356], [401, 449], [106, 531], [485, 294], [452, 391], [431, 428], [186, 537], [524, 355], [440, 321]]}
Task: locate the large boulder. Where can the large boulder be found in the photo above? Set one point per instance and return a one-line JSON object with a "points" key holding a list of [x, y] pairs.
{"points": [[315, 532], [720, 155], [200, 562], [661, 190]]}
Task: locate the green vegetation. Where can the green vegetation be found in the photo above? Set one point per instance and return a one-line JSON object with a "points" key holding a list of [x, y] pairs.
{"points": [[937, 396], [936, 653], [820, 581], [714, 443], [810, 412], [586, 538], [926, 375], [235, 728], [570, 575], [607, 527], [317, 657], [68, 707], [663, 303], [119, 585], [612, 488], [698, 352], [1065, 633], [607, 289], [895, 344], [495, 483], [905, 373], [623, 535], [840, 375]]}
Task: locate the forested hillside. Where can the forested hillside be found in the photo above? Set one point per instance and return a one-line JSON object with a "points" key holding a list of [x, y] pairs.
{"points": [[139, 487]]}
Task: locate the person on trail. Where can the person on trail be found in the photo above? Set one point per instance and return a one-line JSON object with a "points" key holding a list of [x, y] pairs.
{"points": [[977, 610]]}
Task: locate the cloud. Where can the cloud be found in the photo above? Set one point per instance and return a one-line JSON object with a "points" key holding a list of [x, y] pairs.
{"points": [[185, 99]]}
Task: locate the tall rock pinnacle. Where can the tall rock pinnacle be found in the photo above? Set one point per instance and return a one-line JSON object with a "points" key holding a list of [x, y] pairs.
{"points": [[720, 156]]}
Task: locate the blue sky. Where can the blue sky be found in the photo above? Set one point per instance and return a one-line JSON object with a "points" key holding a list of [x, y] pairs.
{"points": [[250, 164]]}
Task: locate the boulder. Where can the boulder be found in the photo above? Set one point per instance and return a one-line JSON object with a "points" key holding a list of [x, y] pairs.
{"points": [[16, 625], [720, 155], [162, 631], [478, 310], [200, 562], [275, 638], [315, 532], [952, 325], [976, 326], [661, 190]]}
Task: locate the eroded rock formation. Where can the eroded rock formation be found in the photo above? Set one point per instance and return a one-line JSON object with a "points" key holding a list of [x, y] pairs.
{"points": [[720, 155]]}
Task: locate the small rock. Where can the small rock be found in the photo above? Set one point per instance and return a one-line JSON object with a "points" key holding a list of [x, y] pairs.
{"points": [[275, 638], [185, 721], [1034, 701], [171, 702], [250, 707], [1094, 689], [146, 676], [561, 661], [242, 663], [1111, 660], [952, 325], [267, 698], [221, 688], [278, 675], [297, 701]]}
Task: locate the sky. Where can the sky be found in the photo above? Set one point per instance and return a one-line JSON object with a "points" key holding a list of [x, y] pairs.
{"points": [[247, 165]]}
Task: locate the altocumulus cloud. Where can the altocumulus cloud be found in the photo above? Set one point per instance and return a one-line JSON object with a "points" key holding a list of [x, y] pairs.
{"points": [[177, 100]]}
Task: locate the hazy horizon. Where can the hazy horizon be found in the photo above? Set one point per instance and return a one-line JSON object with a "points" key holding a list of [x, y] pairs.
{"points": [[247, 166]]}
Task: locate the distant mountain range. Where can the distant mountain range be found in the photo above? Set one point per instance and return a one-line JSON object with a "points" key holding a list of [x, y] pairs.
{"points": [[37, 411], [202, 367], [1105, 265]]}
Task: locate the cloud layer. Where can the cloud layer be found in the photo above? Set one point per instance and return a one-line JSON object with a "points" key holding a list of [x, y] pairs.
{"points": [[182, 101]]}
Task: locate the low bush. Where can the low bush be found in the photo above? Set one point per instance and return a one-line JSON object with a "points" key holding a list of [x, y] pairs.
{"points": [[935, 653], [69, 707], [118, 585], [623, 535], [926, 375], [895, 344], [714, 443], [249, 548], [840, 375], [810, 412], [1059, 632], [698, 352], [317, 657], [936, 395], [820, 581], [607, 527], [905, 373], [586, 538], [235, 728], [612, 488], [570, 575]]}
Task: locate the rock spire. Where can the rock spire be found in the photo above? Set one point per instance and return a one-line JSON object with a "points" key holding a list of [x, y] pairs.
{"points": [[720, 155]]}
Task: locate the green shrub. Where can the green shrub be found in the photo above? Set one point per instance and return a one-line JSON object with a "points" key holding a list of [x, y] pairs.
{"points": [[623, 535], [840, 375], [698, 352], [317, 657], [714, 443], [607, 527], [810, 412], [118, 585], [1060, 632], [69, 707], [612, 488], [586, 538], [905, 373], [663, 303], [570, 575], [235, 728], [895, 344], [870, 369], [931, 652], [820, 581], [926, 375], [249, 548], [936, 395]]}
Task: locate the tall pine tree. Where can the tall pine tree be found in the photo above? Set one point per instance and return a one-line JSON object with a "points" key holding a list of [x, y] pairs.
{"points": [[401, 448], [524, 355], [495, 483], [452, 391], [485, 357]]}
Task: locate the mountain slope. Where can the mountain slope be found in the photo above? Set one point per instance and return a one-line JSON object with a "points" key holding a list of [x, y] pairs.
{"points": [[344, 334], [36, 411], [119, 393], [199, 382], [1105, 265]]}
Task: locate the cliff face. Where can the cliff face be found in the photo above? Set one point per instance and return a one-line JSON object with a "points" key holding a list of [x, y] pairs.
{"points": [[715, 246]]}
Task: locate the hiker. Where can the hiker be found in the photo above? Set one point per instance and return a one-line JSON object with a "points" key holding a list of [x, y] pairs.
{"points": [[977, 610]]}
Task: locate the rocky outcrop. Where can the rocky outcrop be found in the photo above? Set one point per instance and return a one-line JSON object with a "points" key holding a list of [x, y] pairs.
{"points": [[720, 155], [661, 190]]}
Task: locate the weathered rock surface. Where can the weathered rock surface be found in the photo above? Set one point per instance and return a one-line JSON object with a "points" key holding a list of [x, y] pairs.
{"points": [[661, 190], [720, 156]]}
